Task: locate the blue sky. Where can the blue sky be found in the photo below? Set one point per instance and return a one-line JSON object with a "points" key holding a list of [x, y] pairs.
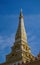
{"points": [[9, 14]]}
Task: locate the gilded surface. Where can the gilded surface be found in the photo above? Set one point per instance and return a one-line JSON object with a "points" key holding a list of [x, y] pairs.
{"points": [[20, 50]]}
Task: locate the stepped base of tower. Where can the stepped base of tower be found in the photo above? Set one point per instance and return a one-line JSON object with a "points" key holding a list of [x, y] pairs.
{"points": [[36, 62], [20, 52]]}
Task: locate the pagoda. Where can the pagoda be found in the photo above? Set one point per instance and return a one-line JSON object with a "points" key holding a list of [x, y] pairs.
{"points": [[21, 52]]}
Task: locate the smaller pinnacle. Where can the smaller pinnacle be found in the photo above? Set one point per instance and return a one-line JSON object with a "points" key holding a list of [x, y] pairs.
{"points": [[21, 12], [21, 9]]}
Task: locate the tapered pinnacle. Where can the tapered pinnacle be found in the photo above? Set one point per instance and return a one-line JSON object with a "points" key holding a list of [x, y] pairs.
{"points": [[21, 14]]}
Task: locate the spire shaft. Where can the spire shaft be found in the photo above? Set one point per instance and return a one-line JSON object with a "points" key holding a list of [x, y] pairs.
{"points": [[21, 33]]}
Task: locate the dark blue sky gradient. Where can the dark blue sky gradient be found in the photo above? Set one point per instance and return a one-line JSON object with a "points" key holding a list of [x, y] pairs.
{"points": [[9, 18], [12, 7]]}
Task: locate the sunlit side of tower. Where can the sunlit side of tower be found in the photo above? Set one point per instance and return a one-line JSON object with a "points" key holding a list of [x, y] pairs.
{"points": [[20, 50]]}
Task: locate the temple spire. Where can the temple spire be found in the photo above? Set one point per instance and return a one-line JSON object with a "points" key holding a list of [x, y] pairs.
{"points": [[20, 50], [21, 33]]}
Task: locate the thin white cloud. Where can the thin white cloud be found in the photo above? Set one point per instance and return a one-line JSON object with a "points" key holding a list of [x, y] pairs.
{"points": [[33, 43], [7, 42]]}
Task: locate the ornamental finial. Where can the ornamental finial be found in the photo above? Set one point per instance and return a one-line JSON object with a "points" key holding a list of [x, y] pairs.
{"points": [[21, 12], [21, 9]]}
